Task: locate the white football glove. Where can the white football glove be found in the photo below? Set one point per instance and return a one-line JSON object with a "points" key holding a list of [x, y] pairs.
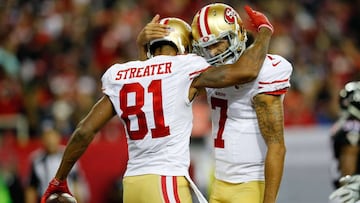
{"points": [[349, 192]]}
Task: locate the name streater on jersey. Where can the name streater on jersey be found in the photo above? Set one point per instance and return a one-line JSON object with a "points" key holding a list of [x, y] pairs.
{"points": [[149, 70], [158, 122]]}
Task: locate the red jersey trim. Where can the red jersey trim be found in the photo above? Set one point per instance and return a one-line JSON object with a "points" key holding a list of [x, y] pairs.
{"points": [[199, 71], [276, 81], [277, 92]]}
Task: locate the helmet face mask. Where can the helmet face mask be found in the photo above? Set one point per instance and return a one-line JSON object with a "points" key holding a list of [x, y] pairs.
{"points": [[227, 56], [216, 22], [179, 37]]}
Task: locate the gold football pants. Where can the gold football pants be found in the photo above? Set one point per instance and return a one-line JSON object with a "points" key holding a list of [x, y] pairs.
{"points": [[156, 189], [248, 192]]}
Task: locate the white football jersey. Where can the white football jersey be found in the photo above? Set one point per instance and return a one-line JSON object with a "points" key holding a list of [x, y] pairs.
{"points": [[151, 98], [238, 145]]}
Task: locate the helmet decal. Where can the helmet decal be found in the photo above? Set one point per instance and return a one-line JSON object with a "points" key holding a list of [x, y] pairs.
{"points": [[229, 16]]}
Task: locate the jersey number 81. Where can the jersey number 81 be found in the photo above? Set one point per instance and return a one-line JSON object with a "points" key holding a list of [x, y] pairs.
{"points": [[154, 88]]}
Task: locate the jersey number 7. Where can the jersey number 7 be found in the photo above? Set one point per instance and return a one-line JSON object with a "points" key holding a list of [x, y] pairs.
{"points": [[154, 88], [222, 104]]}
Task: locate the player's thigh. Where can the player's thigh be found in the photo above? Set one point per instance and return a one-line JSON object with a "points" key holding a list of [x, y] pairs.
{"points": [[156, 189], [243, 192]]}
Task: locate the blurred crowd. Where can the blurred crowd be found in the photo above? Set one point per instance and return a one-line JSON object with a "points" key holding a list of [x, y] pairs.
{"points": [[53, 53]]}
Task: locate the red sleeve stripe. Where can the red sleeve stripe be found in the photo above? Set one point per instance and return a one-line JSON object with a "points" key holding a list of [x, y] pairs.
{"points": [[276, 81], [278, 92], [199, 71]]}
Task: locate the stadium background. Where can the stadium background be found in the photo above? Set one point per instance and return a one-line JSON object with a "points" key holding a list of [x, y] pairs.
{"points": [[53, 52]]}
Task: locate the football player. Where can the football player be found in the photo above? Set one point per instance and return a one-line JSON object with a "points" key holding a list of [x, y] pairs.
{"points": [[247, 119], [153, 99], [345, 137]]}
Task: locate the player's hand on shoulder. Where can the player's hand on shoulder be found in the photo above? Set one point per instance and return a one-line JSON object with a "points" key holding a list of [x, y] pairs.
{"points": [[152, 30], [55, 186], [257, 20]]}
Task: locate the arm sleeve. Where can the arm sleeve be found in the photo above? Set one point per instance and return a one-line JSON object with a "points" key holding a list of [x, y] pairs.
{"points": [[106, 82], [274, 77], [197, 65]]}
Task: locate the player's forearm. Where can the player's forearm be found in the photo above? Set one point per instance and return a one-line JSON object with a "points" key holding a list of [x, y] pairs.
{"points": [[269, 112], [348, 159], [74, 149], [249, 64], [274, 165], [244, 70], [98, 116]]}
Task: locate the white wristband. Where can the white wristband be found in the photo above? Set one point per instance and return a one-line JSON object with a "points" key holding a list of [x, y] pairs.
{"points": [[267, 26]]}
